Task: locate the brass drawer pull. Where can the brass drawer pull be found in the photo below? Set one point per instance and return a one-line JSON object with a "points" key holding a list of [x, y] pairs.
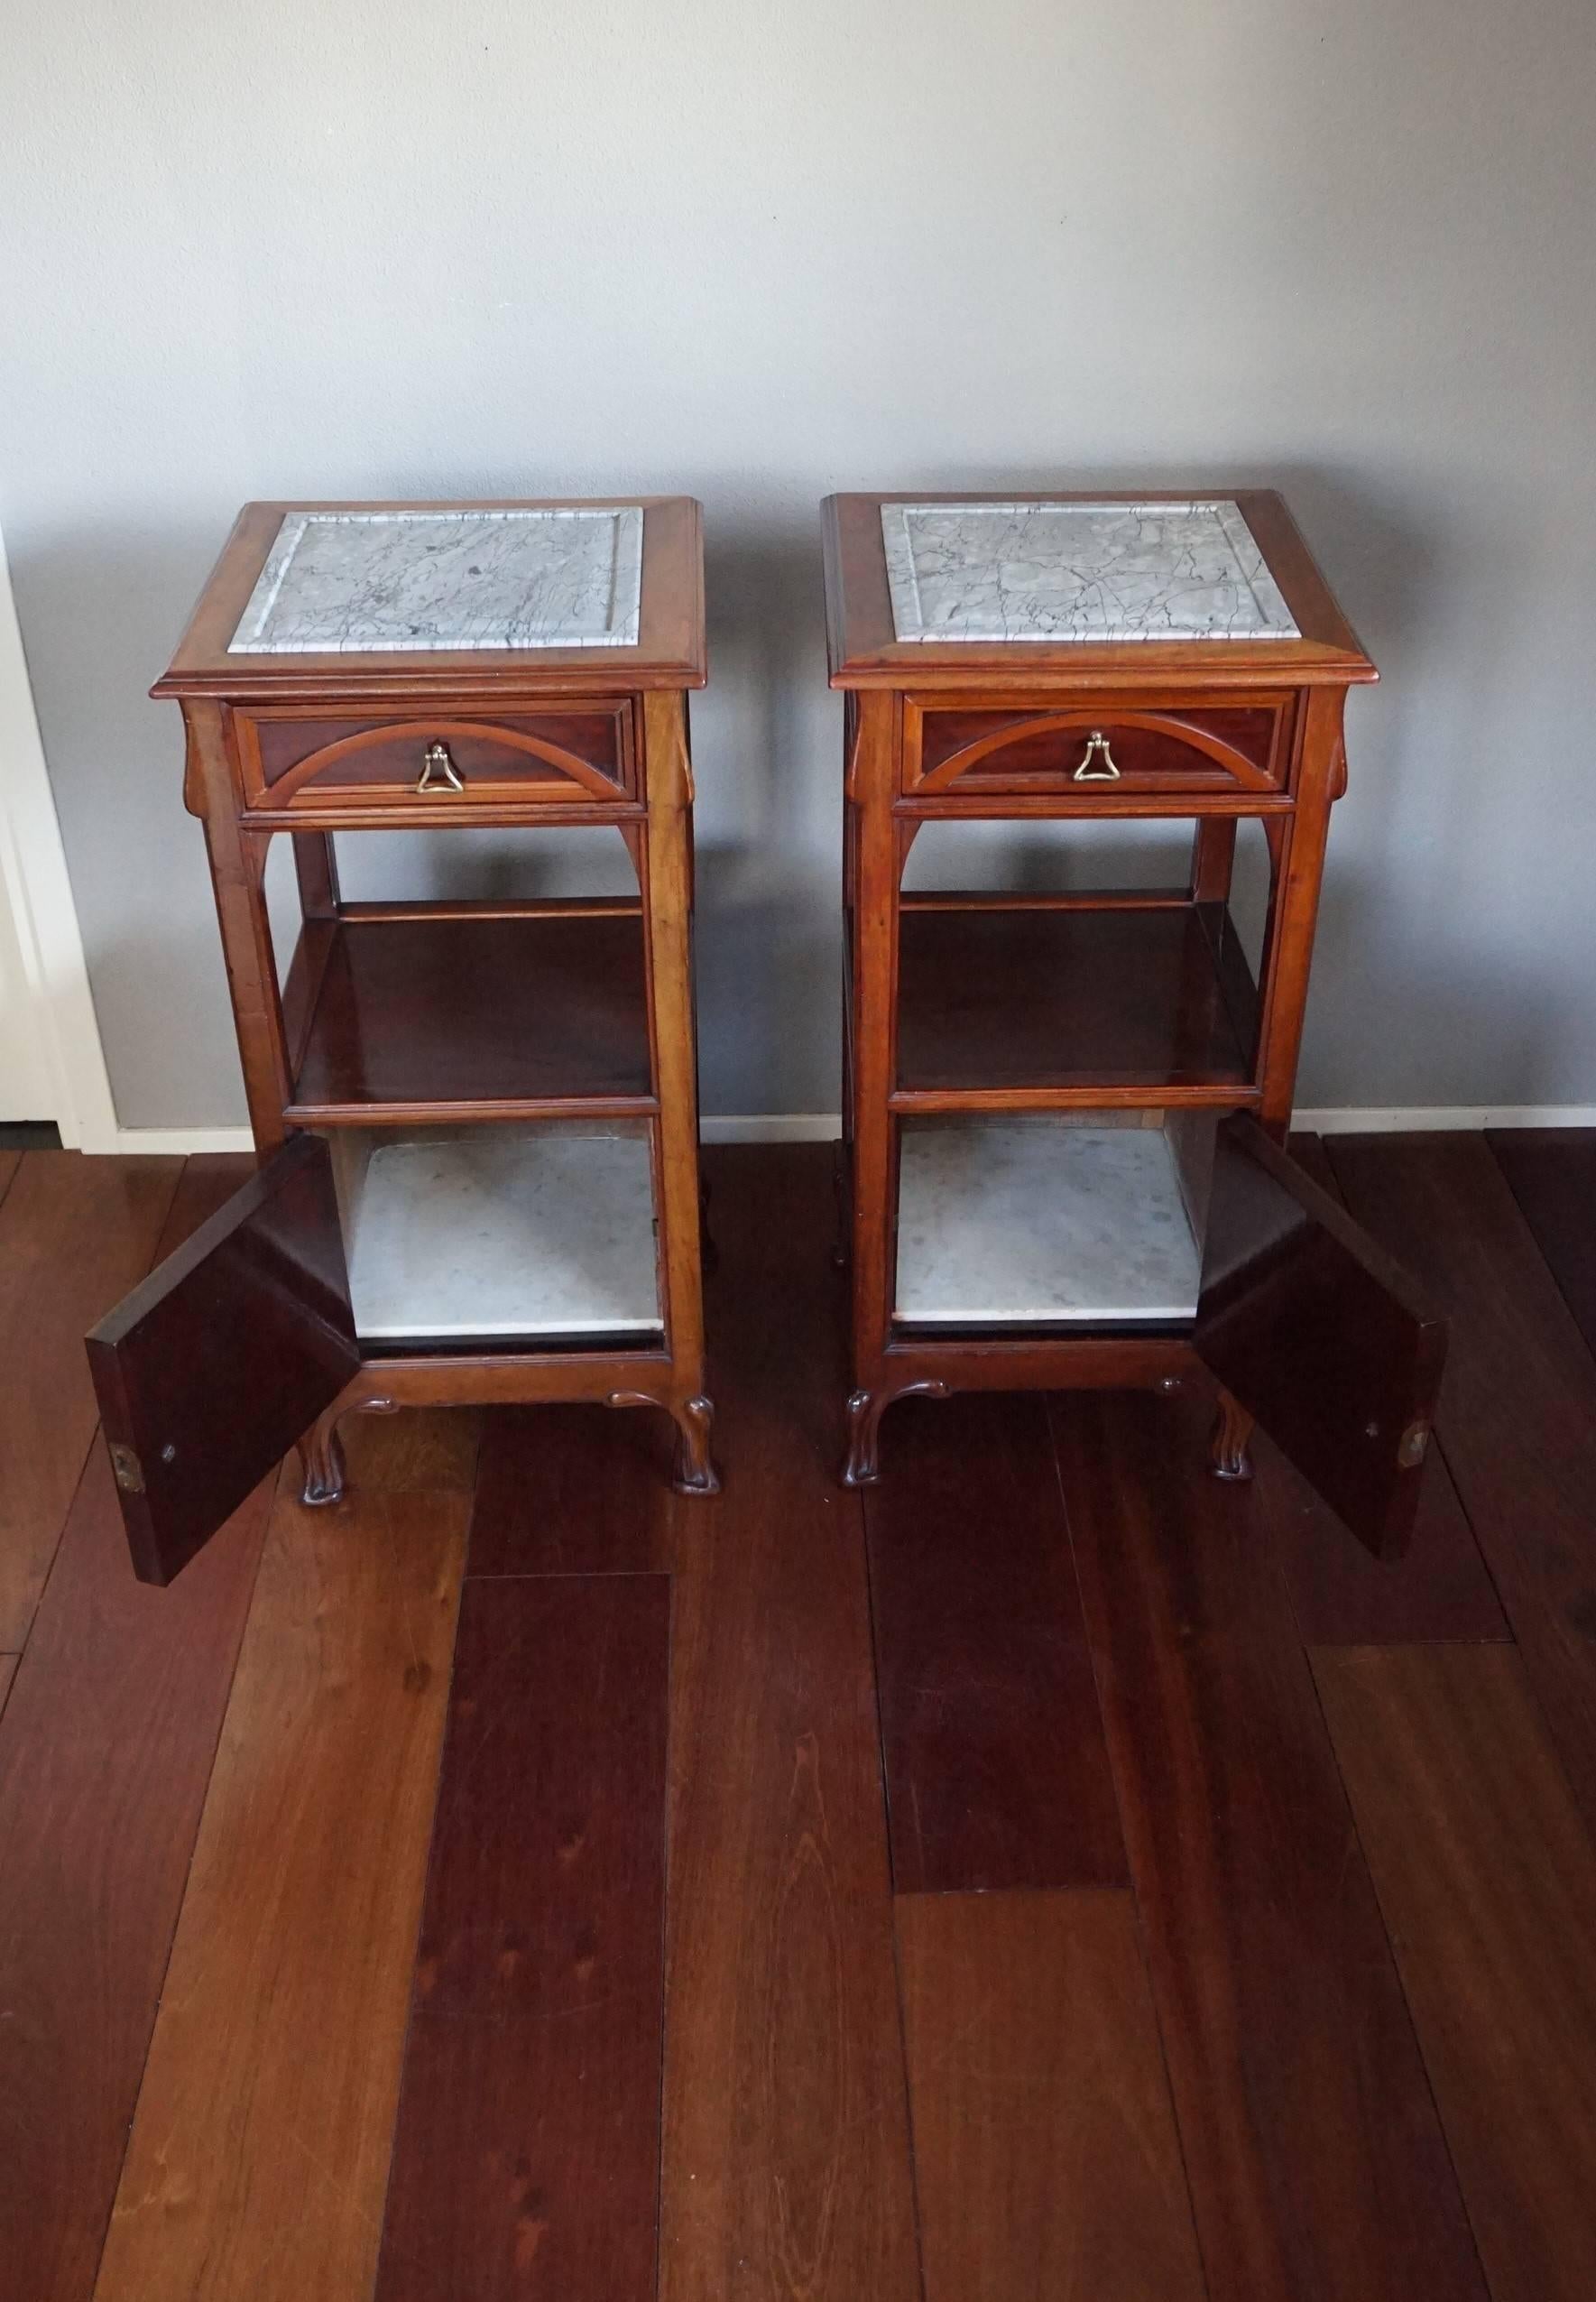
{"points": [[1097, 742], [438, 772]]}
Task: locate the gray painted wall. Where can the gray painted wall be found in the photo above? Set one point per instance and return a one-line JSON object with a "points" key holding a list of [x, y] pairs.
{"points": [[758, 252]]}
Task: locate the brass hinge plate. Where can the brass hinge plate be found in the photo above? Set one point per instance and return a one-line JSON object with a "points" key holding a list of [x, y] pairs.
{"points": [[129, 1470], [1412, 1445]]}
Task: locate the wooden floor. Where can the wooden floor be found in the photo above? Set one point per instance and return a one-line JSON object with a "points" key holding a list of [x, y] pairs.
{"points": [[1053, 1874]]}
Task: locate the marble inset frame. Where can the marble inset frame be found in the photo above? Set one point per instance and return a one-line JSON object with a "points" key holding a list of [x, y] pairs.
{"points": [[373, 582], [1052, 572]]}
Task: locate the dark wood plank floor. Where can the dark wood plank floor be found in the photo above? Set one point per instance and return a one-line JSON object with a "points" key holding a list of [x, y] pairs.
{"points": [[1051, 1874]]}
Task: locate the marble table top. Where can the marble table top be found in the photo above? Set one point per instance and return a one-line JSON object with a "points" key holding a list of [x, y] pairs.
{"points": [[1020, 571], [359, 582]]}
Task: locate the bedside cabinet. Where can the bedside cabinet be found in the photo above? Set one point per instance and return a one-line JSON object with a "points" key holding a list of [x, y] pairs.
{"points": [[1115, 727], [476, 1121]]}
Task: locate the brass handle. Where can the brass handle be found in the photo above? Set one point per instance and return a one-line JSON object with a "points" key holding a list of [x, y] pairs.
{"points": [[1097, 742], [438, 772]]}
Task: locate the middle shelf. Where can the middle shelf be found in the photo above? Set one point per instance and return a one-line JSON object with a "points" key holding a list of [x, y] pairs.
{"points": [[1061, 998], [433, 1012]]}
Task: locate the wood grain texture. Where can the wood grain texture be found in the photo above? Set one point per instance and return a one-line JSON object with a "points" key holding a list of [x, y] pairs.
{"points": [[787, 2168], [8, 1664], [1316, 2159], [434, 1447], [1317, 1333], [526, 2161], [1551, 1171], [1517, 1416], [571, 1490], [1032, 998], [260, 2149], [1487, 1877], [1439, 1588], [477, 1010], [106, 1750], [75, 1234], [997, 1772], [210, 1370], [10, 1160], [1047, 2162]]}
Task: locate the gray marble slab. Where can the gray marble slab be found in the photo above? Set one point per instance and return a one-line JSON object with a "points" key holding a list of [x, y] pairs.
{"points": [[382, 583], [1079, 572], [1020, 1221], [504, 1231]]}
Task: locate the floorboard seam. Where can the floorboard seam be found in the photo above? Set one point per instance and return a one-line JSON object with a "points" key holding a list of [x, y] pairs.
{"points": [[178, 1903], [1050, 1408], [1529, 1225], [1418, 2044], [410, 2004]]}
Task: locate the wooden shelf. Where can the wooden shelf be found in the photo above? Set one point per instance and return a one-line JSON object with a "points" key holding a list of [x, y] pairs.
{"points": [[452, 1012], [1044, 1002]]}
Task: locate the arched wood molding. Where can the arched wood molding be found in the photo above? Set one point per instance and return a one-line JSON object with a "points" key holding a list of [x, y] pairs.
{"points": [[432, 731], [1235, 762]]}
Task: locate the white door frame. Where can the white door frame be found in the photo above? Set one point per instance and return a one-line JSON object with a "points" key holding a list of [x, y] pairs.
{"points": [[38, 894]]}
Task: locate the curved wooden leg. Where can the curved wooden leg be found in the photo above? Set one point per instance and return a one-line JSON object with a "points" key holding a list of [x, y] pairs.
{"points": [[862, 1466], [321, 1460], [1227, 1449], [694, 1465], [694, 1472]]}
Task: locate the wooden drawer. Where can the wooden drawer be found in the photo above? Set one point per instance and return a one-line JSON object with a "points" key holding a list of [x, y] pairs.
{"points": [[961, 746], [571, 754]]}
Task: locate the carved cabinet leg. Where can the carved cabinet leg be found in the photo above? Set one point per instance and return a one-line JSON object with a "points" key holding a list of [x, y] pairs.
{"points": [[861, 1467], [321, 1460], [694, 1472], [1227, 1449], [694, 1465]]}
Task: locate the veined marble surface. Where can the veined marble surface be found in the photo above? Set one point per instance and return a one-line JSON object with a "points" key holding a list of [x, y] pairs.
{"points": [[1005, 1220], [504, 1231], [1079, 572], [360, 583]]}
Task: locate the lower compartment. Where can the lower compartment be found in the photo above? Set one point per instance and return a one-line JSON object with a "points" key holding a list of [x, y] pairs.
{"points": [[1048, 1219], [540, 1229]]}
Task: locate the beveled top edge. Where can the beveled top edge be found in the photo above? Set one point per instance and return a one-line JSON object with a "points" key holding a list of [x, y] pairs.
{"points": [[864, 651], [668, 653], [1114, 583]]}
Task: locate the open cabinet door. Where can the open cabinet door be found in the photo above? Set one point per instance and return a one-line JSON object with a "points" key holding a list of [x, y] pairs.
{"points": [[210, 1370], [1314, 1330]]}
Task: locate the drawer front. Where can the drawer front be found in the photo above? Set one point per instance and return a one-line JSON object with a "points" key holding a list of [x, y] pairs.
{"points": [[957, 747], [575, 755]]}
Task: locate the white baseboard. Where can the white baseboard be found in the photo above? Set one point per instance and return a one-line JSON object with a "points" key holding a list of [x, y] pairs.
{"points": [[772, 1127], [1425, 1118], [825, 1126], [175, 1143], [760, 1127]]}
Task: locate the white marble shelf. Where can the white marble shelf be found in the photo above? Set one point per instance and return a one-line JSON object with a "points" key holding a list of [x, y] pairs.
{"points": [[506, 1230], [1030, 1223], [1037, 572], [384, 583]]}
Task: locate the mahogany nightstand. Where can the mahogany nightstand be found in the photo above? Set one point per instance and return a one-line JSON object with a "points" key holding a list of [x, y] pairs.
{"points": [[1066, 1097], [476, 1121]]}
